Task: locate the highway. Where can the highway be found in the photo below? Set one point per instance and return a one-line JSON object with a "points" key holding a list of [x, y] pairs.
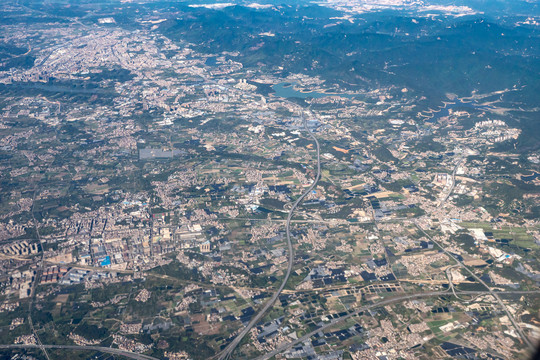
{"points": [[335, 322], [460, 264], [232, 346], [35, 282], [493, 293], [453, 183], [102, 349], [450, 282]]}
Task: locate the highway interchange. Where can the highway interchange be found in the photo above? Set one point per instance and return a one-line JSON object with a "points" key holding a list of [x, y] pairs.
{"points": [[227, 352], [335, 322]]}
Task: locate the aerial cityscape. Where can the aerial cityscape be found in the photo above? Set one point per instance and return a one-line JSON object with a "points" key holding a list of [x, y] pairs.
{"points": [[284, 179]]}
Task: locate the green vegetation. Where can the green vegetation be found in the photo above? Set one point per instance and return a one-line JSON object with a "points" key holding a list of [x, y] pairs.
{"points": [[384, 155], [90, 331]]}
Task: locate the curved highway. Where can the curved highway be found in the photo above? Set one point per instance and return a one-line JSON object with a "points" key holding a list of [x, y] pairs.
{"points": [[334, 322], [232, 346], [453, 183], [102, 349], [477, 278], [283, 347]]}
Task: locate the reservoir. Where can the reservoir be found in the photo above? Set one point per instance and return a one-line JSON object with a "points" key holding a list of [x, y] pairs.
{"points": [[530, 177], [286, 90], [445, 110]]}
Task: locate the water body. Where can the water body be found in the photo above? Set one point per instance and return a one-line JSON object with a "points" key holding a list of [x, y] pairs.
{"points": [[530, 177], [211, 61], [286, 90], [445, 111]]}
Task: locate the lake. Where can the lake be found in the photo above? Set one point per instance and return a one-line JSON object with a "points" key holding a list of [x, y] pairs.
{"points": [[286, 90], [445, 111]]}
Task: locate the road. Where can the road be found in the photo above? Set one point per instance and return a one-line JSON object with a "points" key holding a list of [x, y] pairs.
{"points": [[107, 350], [453, 183], [411, 296], [460, 264], [232, 346], [35, 282], [335, 322], [450, 282], [493, 293], [275, 220]]}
